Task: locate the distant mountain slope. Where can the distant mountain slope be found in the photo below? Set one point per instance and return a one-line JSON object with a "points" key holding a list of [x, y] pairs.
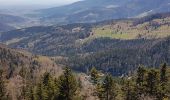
{"points": [[121, 57], [20, 66], [12, 60], [64, 40], [7, 22], [98, 10], [61, 38], [6, 18], [4, 27], [117, 46]]}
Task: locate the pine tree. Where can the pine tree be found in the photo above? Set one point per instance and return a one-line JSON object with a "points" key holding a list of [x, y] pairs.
{"points": [[45, 93], [130, 90], [140, 81], [163, 76], [140, 76], [47, 88], [30, 92], [163, 81], [152, 82], [23, 74], [94, 75], [67, 85], [39, 90], [2, 87], [109, 88]]}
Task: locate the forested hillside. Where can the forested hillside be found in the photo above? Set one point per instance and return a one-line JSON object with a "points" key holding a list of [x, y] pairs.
{"points": [[85, 50], [99, 10], [115, 46], [7, 22], [4, 27], [20, 67], [26, 77]]}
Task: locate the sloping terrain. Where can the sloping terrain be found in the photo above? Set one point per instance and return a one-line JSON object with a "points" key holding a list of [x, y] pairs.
{"points": [[16, 20], [15, 63], [61, 38], [7, 22], [6, 18], [117, 46], [70, 39], [98, 10], [4, 27], [11, 60], [123, 57]]}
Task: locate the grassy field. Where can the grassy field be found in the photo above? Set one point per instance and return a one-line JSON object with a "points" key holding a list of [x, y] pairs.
{"points": [[125, 31], [116, 34]]}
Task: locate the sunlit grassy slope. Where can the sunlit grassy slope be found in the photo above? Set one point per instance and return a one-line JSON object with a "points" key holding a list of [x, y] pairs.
{"points": [[158, 28]]}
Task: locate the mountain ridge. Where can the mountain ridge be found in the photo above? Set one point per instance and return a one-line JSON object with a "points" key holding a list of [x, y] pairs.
{"points": [[101, 44], [98, 10]]}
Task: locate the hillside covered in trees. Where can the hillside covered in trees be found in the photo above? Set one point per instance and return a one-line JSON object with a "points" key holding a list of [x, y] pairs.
{"points": [[27, 80], [115, 46], [87, 50], [18, 66]]}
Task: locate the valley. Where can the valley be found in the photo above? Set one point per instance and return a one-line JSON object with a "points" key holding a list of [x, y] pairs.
{"points": [[82, 11], [86, 50], [114, 44], [88, 11], [28, 76]]}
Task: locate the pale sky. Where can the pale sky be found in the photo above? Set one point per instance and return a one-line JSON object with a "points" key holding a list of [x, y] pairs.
{"points": [[35, 2]]}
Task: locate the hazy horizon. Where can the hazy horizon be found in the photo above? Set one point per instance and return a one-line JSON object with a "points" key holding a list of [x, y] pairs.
{"points": [[18, 3]]}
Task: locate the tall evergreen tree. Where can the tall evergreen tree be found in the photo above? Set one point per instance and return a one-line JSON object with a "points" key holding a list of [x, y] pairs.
{"points": [[108, 86], [163, 81], [94, 75], [30, 92], [140, 81], [152, 82], [129, 90], [46, 89], [23, 74], [39, 90], [2, 87], [140, 76], [67, 85], [163, 76]]}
